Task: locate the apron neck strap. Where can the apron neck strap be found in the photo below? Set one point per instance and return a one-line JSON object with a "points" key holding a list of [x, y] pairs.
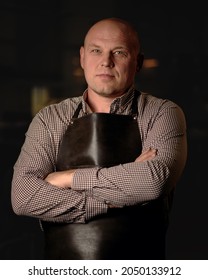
{"points": [[134, 106]]}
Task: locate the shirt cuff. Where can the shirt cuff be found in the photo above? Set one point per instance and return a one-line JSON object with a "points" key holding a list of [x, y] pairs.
{"points": [[84, 179], [95, 208]]}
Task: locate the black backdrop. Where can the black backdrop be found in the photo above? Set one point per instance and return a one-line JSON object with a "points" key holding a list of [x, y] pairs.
{"points": [[39, 48]]}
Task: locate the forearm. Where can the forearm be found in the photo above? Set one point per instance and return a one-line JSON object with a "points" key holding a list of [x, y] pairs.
{"points": [[136, 182], [33, 196], [123, 184], [63, 180], [60, 179], [39, 199]]}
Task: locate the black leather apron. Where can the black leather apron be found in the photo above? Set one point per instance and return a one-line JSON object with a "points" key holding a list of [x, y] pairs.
{"points": [[100, 139], [136, 232]]}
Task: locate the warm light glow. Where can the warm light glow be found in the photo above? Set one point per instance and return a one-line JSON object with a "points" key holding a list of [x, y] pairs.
{"points": [[40, 97], [78, 72], [150, 63]]}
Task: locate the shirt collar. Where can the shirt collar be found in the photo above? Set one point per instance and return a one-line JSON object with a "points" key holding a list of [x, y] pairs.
{"points": [[118, 105]]}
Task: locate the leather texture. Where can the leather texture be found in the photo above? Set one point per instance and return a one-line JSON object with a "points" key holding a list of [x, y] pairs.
{"points": [[130, 233], [99, 139]]}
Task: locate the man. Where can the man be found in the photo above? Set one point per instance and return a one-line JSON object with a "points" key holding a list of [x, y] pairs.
{"points": [[111, 204]]}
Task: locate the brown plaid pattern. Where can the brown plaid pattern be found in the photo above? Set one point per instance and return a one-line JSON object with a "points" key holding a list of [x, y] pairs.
{"points": [[162, 126]]}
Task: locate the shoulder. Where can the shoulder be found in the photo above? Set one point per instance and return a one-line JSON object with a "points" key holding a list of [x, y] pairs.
{"points": [[154, 104], [54, 117], [153, 108], [153, 101], [60, 112]]}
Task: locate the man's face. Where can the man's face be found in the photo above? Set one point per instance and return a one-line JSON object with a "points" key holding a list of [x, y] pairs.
{"points": [[109, 59]]}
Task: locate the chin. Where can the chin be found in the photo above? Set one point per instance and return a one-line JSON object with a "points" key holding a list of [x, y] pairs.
{"points": [[107, 94]]}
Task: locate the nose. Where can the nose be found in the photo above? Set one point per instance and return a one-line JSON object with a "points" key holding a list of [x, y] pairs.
{"points": [[107, 61]]}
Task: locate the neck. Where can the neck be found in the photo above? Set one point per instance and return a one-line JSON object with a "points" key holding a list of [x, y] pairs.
{"points": [[98, 103]]}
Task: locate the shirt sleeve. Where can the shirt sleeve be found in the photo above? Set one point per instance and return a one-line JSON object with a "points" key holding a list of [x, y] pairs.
{"points": [[140, 182], [32, 196]]}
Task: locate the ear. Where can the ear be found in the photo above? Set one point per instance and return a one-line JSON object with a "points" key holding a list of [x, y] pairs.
{"points": [[81, 52], [140, 60]]}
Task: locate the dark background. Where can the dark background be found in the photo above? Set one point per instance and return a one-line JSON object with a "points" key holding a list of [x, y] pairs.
{"points": [[39, 56]]}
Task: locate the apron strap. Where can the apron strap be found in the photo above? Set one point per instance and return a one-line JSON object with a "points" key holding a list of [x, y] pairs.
{"points": [[134, 107], [76, 113]]}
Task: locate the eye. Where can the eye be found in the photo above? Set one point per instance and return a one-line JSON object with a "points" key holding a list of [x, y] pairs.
{"points": [[120, 53], [95, 51]]}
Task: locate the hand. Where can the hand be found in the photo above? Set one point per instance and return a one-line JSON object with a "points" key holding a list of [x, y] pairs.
{"points": [[147, 155], [61, 179]]}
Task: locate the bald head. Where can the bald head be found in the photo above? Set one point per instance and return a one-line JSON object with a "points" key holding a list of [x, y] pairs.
{"points": [[110, 58], [126, 30]]}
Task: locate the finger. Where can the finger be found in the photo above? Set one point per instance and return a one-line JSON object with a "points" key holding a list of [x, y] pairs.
{"points": [[147, 155]]}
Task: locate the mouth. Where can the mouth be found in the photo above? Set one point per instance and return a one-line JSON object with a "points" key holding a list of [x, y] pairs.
{"points": [[105, 76]]}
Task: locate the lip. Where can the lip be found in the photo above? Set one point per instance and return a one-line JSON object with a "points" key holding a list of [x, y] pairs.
{"points": [[105, 75]]}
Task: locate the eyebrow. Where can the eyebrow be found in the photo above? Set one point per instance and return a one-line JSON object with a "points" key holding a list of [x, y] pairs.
{"points": [[117, 47], [93, 45]]}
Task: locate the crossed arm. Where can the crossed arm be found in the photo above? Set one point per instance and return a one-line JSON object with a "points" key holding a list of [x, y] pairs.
{"points": [[80, 194], [64, 179]]}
